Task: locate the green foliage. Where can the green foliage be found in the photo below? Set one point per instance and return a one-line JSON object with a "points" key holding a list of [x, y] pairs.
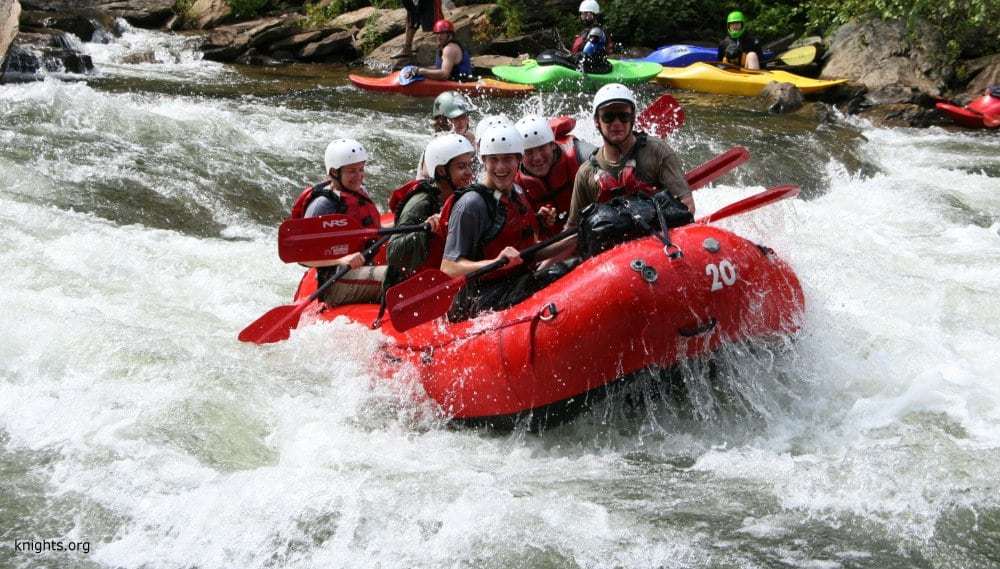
{"points": [[972, 26], [370, 37], [246, 8], [512, 13], [183, 10], [655, 22]]}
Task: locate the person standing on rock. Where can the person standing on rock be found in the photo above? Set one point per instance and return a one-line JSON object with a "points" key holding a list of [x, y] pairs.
{"points": [[741, 47], [421, 13], [453, 62]]}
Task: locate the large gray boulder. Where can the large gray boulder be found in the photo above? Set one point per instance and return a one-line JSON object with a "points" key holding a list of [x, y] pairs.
{"points": [[984, 71], [204, 14], [781, 97], [893, 64], [10, 13]]}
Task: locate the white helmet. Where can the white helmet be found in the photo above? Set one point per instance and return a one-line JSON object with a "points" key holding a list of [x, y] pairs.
{"points": [[501, 139], [590, 6], [342, 152], [613, 93], [444, 148], [490, 121], [535, 131]]}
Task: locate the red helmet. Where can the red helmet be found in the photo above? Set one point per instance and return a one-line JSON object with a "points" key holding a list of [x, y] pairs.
{"points": [[442, 26]]}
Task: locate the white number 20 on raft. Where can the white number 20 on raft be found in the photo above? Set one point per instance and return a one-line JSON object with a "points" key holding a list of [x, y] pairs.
{"points": [[723, 274]]}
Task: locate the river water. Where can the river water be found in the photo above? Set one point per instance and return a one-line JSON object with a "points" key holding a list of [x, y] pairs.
{"points": [[139, 210]]}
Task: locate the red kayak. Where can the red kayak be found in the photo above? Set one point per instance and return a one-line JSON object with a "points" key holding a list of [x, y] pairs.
{"points": [[433, 87], [627, 309], [983, 112]]}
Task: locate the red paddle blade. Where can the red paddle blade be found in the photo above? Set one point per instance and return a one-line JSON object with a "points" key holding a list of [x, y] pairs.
{"points": [[717, 167], [421, 298], [755, 201], [321, 238], [661, 117], [274, 326]]}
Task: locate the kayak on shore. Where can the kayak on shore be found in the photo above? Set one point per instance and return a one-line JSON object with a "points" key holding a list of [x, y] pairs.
{"points": [[552, 77], [728, 80], [631, 308], [433, 87], [982, 112]]}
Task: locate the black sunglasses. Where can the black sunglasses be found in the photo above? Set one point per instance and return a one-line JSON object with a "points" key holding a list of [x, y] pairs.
{"points": [[608, 117]]}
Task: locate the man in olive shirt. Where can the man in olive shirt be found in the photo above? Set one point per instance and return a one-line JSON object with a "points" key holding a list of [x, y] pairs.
{"points": [[628, 162]]}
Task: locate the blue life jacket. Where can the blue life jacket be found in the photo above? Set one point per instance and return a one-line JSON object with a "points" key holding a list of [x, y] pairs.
{"points": [[461, 72]]}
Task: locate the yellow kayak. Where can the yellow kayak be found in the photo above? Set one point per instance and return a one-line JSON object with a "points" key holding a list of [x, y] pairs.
{"points": [[709, 78]]}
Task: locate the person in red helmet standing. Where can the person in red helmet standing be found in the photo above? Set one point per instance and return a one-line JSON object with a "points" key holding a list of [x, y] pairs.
{"points": [[421, 13], [453, 62]]}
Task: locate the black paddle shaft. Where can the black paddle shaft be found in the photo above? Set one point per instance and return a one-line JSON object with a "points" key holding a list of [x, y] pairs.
{"points": [[404, 229], [525, 253]]}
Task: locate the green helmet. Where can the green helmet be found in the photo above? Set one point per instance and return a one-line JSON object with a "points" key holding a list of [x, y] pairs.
{"points": [[734, 17], [451, 105]]}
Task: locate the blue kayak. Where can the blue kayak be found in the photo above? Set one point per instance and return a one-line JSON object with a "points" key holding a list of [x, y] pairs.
{"points": [[682, 55]]}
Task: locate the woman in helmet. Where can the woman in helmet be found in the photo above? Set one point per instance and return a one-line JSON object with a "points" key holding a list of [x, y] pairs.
{"points": [[590, 17], [344, 193], [450, 159], [453, 62], [740, 47], [418, 13]]}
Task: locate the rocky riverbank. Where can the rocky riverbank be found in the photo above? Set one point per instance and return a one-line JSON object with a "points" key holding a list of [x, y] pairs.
{"points": [[895, 76]]}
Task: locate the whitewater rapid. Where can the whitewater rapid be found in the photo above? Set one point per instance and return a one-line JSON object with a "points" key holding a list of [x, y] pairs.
{"points": [[137, 239]]}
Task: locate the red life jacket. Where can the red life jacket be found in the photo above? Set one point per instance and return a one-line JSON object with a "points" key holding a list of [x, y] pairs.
{"points": [[347, 202], [398, 200], [402, 194], [628, 181], [513, 223], [556, 187]]}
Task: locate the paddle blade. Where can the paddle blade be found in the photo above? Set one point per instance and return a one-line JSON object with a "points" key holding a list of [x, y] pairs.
{"points": [[421, 298], [798, 56], [321, 238], [755, 201], [274, 326], [716, 167], [662, 116]]}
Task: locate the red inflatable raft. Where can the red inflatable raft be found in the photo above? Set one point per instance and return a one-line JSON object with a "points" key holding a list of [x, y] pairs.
{"points": [[983, 112], [433, 87], [627, 309]]}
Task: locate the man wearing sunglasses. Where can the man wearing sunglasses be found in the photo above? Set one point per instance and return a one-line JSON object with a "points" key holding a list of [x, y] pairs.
{"points": [[629, 162]]}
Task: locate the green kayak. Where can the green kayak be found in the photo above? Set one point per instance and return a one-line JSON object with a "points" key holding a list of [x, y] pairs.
{"points": [[559, 77]]}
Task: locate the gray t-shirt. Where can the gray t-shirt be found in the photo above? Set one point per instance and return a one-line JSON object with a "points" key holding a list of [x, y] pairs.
{"points": [[469, 221], [321, 206]]}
